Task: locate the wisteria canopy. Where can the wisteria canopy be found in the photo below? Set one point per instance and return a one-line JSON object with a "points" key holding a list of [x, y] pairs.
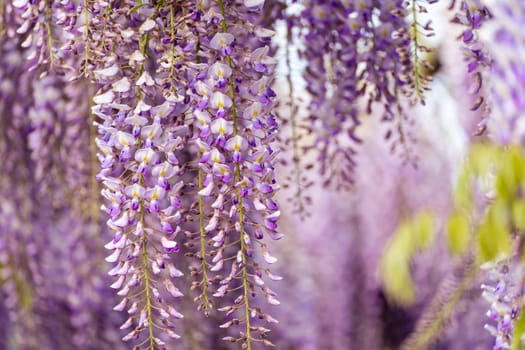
{"points": [[249, 174]]}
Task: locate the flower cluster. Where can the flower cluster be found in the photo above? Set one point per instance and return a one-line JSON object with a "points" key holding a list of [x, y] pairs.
{"points": [[505, 298], [507, 73], [189, 91], [139, 142], [370, 51], [472, 14]]}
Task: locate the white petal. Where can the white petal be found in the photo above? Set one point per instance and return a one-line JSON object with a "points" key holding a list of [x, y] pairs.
{"points": [[253, 3], [121, 85], [107, 72], [106, 97], [148, 25]]}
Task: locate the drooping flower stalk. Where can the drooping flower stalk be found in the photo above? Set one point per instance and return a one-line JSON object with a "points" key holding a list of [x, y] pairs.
{"points": [[417, 80], [369, 52], [472, 14], [297, 180], [506, 45], [140, 133], [235, 127], [505, 299]]}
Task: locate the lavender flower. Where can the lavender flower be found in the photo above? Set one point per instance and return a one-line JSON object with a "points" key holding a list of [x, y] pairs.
{"points": [[504, 298], [472, 15]]}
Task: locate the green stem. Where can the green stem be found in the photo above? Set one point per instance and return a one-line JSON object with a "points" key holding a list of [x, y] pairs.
{"points": [[416, 62], [86, 34], [146, 279], [239, 196], [201, 217], [144, 243], [203, 243], [49, 34], [143, 42], [293, 115]]}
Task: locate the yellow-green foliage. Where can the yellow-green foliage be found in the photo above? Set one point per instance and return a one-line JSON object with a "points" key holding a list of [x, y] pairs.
{"points": [[502, 171], [411, 236], [486, 230], [458, 233], [519, 328]]}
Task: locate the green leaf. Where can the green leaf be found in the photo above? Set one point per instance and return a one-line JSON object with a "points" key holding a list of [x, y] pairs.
{"points": [[518, 214], [463, 191], [423, 229], [458, 233], [519, 328], [410, 236], [395, 274], [494, 233]]}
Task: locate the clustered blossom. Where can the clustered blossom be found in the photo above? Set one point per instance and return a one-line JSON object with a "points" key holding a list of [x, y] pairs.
{"points": [[234, 127], [140, 136], [368, 52], [138, 146], [472, 14], [505, 298], [507, 73], [185, 87], [47, 30]]}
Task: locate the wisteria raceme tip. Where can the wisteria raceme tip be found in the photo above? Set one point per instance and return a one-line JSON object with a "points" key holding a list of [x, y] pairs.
{"points": [[505, 299]]}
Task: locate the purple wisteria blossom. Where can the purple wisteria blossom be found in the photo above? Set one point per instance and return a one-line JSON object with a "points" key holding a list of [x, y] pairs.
{"points": [[152, 153]]}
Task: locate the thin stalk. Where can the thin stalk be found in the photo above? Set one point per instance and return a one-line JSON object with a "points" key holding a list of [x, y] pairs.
{"points": [[293, 116], [239, 196], [49, 34]]}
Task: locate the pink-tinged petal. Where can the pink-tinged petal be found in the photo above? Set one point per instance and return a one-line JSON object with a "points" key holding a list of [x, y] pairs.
{"points": [[143, 318], [218, 266], [206, 191], [163, 313], [170, 246], [131, 335], [174, 312], [133, 309], [122, 305], [220, 101], [221, 41], [173, 271], [114, 256], [170, 287], [104, 98], [148, 25], [269, 319], [145, 79], [276, 235], [127, 324], [159, 342], [219, 202], [267, 256], [212, 224], [172, 334], [272, 276], [107, 72], [253, 3], [20, 3], [155, 268], [123, 292], [221, 291], [122, 85], [258, 280], [118, 283], [272, 300]]}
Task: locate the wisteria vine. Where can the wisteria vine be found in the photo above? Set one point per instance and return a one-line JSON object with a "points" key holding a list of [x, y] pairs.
{"points": [[141, 144]]}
